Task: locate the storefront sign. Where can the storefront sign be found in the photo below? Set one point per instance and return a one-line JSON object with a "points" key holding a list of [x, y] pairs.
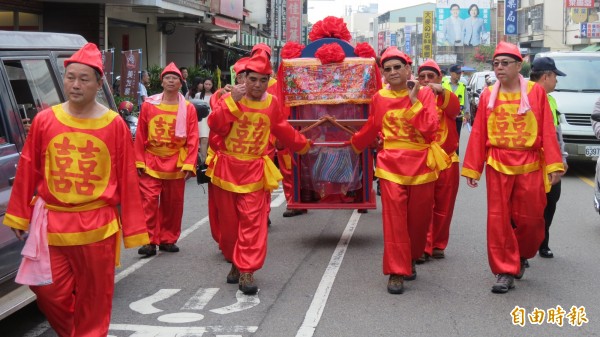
{"points": [[579, 3], [427, 50], [225, 23], [510, 17], [293, 30], [231, 8]]}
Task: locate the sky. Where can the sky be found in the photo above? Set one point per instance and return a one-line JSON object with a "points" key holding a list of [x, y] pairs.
{"points": [[318, 9]]}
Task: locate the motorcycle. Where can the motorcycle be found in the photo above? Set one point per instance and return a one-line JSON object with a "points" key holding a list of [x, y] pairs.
{"points": [[126, 111]]}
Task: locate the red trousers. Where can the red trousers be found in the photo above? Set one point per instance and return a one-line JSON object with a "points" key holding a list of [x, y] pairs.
{"points": [[406, 212], [163, 207], [243, 223], [444, 197], [288, 189], [522, 199], [213, 216], [79, 301]]}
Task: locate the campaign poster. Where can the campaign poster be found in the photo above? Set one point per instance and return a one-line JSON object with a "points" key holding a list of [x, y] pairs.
{"points": [[462, 22]]}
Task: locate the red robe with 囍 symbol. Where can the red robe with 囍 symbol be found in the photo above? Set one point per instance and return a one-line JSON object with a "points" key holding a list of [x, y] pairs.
{"points": [[407, 166], [244, 173], [165, 160], [82, 169], [518, 152]]}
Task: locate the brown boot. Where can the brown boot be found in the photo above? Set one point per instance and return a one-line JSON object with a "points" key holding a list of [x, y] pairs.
{"points": [[247, 285], [395, 284], [234, 275]]}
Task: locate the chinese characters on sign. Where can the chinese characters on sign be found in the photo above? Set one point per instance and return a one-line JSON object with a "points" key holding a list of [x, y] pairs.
{"points": [[380, 41], [580, 3], [557, 316], [294, 21], [510, 17], [590, 30], [130, 70], [407, 33], [426, 51]]}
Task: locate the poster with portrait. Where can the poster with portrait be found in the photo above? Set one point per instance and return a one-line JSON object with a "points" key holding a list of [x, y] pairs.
{"points": [[462, 22]]}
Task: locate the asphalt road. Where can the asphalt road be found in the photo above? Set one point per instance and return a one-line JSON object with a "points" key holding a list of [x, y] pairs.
{"points": [[323, 277]]}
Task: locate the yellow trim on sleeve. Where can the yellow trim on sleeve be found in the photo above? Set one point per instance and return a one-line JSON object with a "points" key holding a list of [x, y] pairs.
{"points": [[136, 240], [232, 106], [189, 167], [414, 110], [84, 238], [555, 167], [305, 148], [467, 172], [16, 222], [140, 164], [454, 157]]}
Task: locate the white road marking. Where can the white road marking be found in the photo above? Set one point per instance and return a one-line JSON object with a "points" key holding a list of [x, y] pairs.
{"points": [[278, 200], [315, 311], [244, 302], [131, 269], [193, 331], [181, 317], [200, 299], [145, 305]]}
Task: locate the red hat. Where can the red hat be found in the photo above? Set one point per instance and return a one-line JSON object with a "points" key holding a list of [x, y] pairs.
{"points": [[394, 53], [88, 55], [408, 60], [171, 69], [431, 66], [240, 65], [259, 63], [508, 49], [261, 46]]}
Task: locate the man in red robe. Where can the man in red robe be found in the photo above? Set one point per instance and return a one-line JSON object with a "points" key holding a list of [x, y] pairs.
{"points": [[515, 139], [75, 169], [166, 150], [243, 171], [446, 186], [407, 166]]}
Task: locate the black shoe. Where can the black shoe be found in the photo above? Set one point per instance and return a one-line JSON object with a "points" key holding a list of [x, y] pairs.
{"points": [[424, 258], [269, 222], [438, 253], [503, 284], [363, 211], [412, 276], [524, 264], [168, 247], [293, 212], [395, 284], [234, 275], [148, 250], [546, 252]]}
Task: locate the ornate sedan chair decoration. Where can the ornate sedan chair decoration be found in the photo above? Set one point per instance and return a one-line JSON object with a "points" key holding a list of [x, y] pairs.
{"points": [[327, 87]]}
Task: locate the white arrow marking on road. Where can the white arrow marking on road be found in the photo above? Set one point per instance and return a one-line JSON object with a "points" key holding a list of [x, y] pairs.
{"points": [[198, 331], [200, 299], [244, 302], [145, 305], [315, 311]]}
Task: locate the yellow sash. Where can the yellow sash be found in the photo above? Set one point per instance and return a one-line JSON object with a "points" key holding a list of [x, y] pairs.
{"points": [[437, 158]]}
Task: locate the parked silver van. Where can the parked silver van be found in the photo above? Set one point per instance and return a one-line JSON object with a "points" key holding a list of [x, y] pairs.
{"points": [[31, 72], [575, 96]]}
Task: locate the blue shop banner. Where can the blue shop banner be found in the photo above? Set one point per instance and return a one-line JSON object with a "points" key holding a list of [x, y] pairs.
{"points": [[510, 17]]}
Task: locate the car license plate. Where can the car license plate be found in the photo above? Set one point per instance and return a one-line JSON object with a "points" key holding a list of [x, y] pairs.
{"points": [[592, 151]]}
